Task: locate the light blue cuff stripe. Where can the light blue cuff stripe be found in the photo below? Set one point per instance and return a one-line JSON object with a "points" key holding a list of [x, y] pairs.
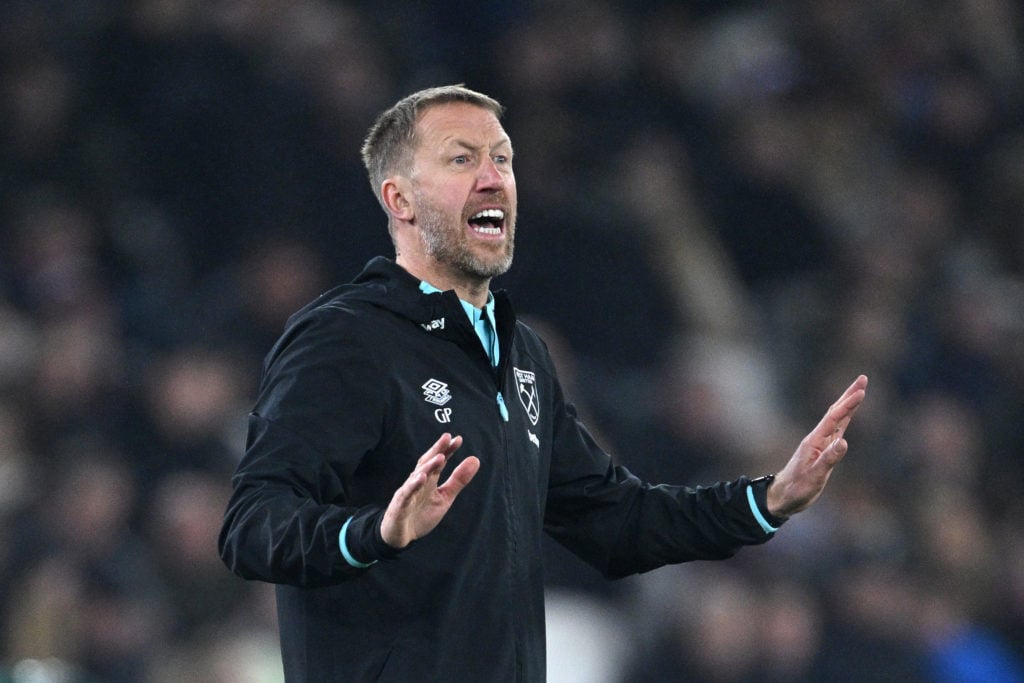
{"points": [[768, 528], [344, 548]]}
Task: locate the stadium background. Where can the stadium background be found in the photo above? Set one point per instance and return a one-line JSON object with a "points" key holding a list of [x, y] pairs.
{"points": [[728, 210]]}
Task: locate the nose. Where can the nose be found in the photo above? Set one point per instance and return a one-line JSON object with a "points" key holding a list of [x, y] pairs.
{"points": [[490, 177]]}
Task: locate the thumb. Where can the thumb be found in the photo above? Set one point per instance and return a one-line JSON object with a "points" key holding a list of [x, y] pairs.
{"points": [[835, 452]]}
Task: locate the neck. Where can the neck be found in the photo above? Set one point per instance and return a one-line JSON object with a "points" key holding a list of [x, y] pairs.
{"points": [[468, 288]]}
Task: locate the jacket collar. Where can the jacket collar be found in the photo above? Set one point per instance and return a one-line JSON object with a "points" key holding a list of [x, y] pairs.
{"points": [[385, 284]]}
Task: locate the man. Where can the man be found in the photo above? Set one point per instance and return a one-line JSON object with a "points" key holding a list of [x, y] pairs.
{"points": [[388, 569]]}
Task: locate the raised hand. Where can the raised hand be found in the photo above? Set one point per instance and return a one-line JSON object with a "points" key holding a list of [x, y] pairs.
{"points": [[803, 478], [420, 503]]}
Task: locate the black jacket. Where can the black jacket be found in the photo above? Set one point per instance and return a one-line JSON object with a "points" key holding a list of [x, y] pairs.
{"points": [[363, 380]]}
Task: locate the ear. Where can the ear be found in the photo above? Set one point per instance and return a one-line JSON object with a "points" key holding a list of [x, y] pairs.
{"points": [[395, 193]]}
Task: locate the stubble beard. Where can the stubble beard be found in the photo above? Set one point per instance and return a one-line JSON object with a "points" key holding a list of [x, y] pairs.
{"points": [[449, 245]]}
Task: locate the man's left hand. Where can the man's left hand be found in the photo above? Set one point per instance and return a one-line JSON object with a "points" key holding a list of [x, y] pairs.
{"points": [[803, 478]]}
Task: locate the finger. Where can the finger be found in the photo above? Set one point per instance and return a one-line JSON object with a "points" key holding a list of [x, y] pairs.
{"points": [[460, 477], [826, 429], [844, 412], [428, 468], [453, 445], [446, 444], [431, 469], [844, 407], [435, 464], [438, 446], [407, 491], [839, 414], [834, 453], [859, 384], [855, 393]]}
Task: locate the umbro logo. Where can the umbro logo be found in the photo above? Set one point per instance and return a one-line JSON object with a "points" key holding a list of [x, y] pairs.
{"points": [[435, 391]]}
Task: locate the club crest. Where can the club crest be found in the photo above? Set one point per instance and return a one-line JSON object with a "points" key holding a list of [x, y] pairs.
{"points": [[526, 387]]}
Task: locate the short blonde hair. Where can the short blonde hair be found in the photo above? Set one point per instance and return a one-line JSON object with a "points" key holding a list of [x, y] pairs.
{"points": [[389, 145]]}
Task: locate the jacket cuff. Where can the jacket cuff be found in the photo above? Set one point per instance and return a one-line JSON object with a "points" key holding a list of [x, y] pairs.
{"points": [[360, 541], [757, 496]]}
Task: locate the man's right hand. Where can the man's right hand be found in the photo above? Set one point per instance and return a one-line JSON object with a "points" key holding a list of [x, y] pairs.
{"points": [[420, 504]]}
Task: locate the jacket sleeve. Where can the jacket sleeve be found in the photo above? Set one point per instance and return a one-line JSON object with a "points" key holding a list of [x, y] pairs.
{"points": [[317, 415], [622, 525]]}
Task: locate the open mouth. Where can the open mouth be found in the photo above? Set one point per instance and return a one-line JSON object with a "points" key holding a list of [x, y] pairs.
{"points": [[488, 222]]}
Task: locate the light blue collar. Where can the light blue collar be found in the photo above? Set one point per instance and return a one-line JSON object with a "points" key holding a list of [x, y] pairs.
{"points": [[487, 333], [472, 311]]}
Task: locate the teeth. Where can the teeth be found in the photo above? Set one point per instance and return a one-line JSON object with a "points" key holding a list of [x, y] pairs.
{"points": [[489, 213]]}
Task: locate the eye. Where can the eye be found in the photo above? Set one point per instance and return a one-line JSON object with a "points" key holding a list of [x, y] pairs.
{"points": [[461, 160], [501, 159]]}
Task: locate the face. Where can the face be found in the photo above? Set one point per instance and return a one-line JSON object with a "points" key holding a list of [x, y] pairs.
{"points": [[464, 191]]}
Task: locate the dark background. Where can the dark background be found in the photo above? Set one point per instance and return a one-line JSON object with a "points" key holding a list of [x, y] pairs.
{"points": [[727, 212]]}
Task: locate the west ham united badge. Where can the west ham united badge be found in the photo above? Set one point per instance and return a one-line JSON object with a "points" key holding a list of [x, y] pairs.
{"points": [[526, 387]]}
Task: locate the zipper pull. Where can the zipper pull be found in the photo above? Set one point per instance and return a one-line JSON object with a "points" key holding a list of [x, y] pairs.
{"points": [[501, 407]]}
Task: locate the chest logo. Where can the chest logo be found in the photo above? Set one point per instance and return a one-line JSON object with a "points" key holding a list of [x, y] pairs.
{"points": [[435, 391], [526, 387]]}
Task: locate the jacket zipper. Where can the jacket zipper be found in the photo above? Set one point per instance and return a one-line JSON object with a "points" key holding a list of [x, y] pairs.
{"points": [[513, 516]]}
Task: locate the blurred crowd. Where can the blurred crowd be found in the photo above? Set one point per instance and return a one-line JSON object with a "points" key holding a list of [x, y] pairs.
{"points": [[728, 210]]}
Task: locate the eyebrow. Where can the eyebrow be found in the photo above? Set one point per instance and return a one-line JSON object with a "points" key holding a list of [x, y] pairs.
{"points": [[465, 144]]}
